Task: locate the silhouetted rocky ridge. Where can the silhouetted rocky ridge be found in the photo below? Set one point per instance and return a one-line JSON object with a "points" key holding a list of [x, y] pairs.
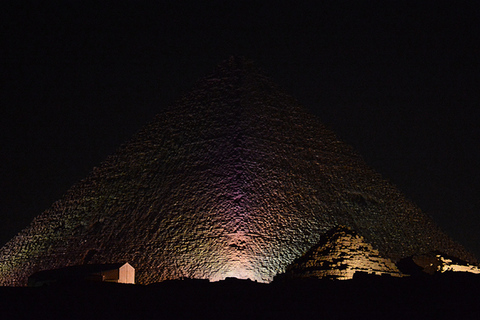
{"points": [[445, 295]]}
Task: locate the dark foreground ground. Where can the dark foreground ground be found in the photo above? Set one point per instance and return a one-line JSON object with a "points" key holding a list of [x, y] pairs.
{"points": [[430, 297]]}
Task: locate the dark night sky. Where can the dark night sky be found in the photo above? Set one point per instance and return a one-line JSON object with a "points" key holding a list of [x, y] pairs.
{"points": [[398, 82]]}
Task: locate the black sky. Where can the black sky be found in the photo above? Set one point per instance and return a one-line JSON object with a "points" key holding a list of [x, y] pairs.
{"points": [[398, 82]]}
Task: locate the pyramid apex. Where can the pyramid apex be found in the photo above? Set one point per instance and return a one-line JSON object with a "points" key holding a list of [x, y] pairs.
{"points": [[236, 64]]}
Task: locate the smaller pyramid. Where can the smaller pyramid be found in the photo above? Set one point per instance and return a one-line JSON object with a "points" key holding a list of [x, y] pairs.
{"points": [[341, 253]]}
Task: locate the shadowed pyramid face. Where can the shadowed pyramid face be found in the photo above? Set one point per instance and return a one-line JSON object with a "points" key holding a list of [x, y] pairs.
{"points": [[236, 180]]}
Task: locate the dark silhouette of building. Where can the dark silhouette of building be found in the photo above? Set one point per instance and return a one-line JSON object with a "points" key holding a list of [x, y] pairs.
{"points": [[112, 272]]}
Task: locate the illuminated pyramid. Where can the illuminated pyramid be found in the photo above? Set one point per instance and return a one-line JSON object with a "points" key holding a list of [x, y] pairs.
{"points": [[236, 180], [339, 255]]}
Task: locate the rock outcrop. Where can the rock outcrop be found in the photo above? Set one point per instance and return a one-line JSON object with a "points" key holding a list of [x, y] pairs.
{"points": [[435, 262]]}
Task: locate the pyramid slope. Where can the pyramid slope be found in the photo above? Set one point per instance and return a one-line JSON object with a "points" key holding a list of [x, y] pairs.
{"points": [[236, 180]]}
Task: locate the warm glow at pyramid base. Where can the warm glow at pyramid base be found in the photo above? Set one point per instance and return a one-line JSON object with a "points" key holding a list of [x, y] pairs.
{"points": [[236, 273]]}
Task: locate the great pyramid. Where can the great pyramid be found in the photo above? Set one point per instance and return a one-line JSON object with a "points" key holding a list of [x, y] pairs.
{"points": [[235, 180]]}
